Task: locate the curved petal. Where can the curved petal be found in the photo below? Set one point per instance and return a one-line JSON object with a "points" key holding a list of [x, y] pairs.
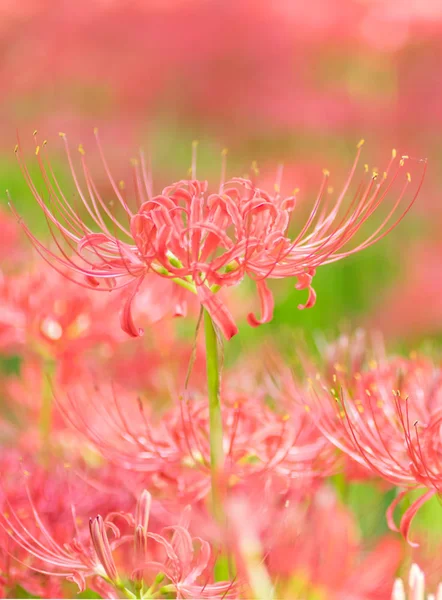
{"points": [[126, 317], [390, 510], [410, 513], [267, 305]]}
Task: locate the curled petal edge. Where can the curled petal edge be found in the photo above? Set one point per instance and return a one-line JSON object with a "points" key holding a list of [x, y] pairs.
{"points": [[305, 282], [267, 305]]}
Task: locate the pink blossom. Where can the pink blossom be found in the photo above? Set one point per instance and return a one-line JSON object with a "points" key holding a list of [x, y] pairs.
{"points": [[282, 447], [202, 241], [385, 414], [178, 561]]}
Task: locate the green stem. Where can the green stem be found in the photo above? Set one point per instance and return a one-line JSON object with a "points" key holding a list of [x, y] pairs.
{"points": [[215, 419], [216, 433]]}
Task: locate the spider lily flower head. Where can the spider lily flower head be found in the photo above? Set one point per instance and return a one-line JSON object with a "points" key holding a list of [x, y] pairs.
{"points": [[180, 563], [201, 241], [387, 417], [416, 587], [174, 451]]}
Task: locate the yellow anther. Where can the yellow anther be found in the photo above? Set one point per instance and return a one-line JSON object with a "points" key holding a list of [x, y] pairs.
{"points": [[360, 144], [224, 152], [61, 134], [393, 153], [326, 172], [16, 148], [134, 162], [81, 149], [333, 391], [35, 132], [366, 167], [360, 409], [368, 393], [37, 150], [401, 162], [339, 368], [195, 143], [295, 191], [26, 473], [384, 175], [405, 156], [276, 188], [254, 167], [409, 177], [335, 378], [286, 417], [307, 408], [373, 364], [44, 142], [121, 185], [330, 190], [95, 130]]}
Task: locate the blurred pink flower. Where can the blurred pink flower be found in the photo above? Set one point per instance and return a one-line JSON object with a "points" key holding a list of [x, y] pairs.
{"points": [[178, 561], [314, 548], [45, 314], [40, 508], [386, 416], [174, 450], [202, 242]]}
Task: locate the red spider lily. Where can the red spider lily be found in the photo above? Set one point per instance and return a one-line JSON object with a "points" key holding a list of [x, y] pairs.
{"points": [[387, 416], [179, 567], [175, 450], [416, 587], [202, 242]]}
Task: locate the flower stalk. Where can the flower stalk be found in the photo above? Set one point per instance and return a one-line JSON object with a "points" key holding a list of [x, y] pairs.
{"points": [[215, 433]]}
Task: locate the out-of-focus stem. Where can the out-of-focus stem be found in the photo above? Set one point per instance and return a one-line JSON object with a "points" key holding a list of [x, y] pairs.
{"points": [[216, 433]]}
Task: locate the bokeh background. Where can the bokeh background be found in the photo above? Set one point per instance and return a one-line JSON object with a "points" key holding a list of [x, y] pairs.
{"points": [[284, 82], [298, 83]]}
